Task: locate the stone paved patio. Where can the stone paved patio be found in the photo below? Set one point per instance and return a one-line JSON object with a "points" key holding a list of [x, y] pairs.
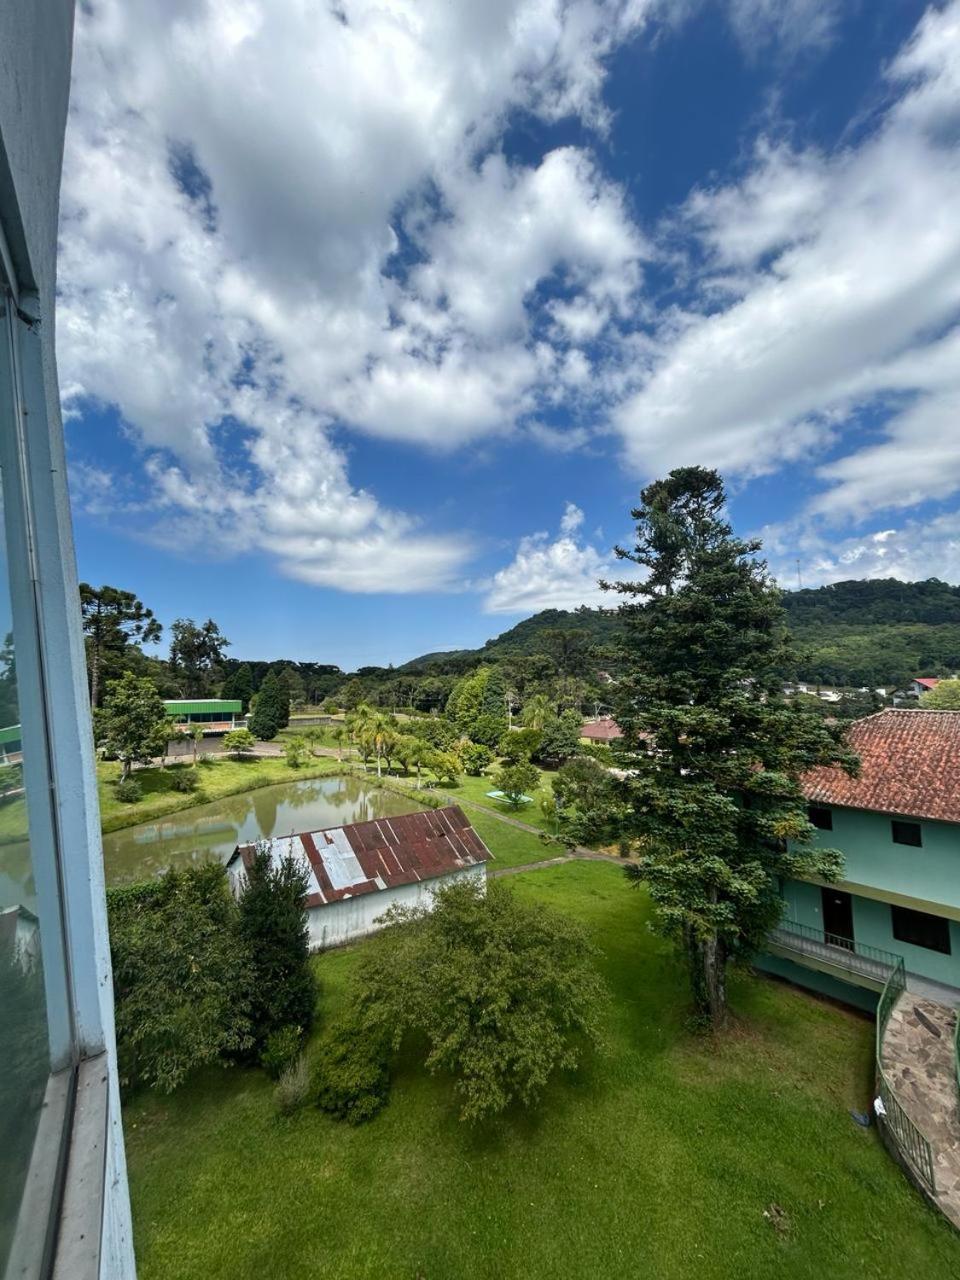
{"points": [[920, 1066]]}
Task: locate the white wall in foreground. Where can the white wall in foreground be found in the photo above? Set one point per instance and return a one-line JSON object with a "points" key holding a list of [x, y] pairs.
{"points": [[355, 917]]}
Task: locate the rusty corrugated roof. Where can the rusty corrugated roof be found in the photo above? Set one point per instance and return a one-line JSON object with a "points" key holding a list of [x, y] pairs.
{"points": [[364, 857], [909, 764]]}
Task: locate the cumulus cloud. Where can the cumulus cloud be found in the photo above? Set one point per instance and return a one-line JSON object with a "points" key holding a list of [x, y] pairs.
{"points": [[281, 220], [847, 294], [559, 573], [911, 550]]}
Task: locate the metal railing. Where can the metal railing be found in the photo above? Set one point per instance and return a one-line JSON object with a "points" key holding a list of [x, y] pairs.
{"points": [[914, 1147], [888, 968], [844, 953]]}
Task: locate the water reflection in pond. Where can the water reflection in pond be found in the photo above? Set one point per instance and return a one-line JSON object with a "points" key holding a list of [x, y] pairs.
{"points": [[212, 831]]}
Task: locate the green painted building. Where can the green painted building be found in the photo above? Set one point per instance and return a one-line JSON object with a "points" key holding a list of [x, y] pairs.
{"points": [[213, 715], [898, 827]]}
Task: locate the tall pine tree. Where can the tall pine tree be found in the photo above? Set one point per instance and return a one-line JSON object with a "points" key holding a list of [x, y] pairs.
{"points": [[713, 751]]}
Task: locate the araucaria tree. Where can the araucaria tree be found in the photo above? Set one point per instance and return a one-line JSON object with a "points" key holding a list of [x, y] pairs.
{"points": [[713, 752], [113, 621]]}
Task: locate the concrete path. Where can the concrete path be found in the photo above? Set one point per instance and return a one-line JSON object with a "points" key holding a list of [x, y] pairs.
{"points": [[918, 1060]]}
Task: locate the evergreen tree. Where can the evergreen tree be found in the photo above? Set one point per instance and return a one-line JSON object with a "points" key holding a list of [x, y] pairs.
{"points": [[713, 752], [273, 929], [272, 711], [239, 684], [113, 622]]}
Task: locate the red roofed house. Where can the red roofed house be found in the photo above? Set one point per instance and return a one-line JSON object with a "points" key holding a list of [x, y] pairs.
{"points": [[357, 872], [923, 684], [603, 730], [898, 827]]}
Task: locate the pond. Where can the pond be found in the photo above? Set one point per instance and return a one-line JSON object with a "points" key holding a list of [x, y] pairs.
{"points": [[212, 831]]}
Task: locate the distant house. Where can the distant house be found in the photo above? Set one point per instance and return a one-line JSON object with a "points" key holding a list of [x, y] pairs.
{"points": [[213, 715], [11, 748], [357, 872], [923, 684], [603, 730]]}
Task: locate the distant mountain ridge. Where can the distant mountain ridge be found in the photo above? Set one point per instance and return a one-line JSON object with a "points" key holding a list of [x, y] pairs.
{"points": [[874, 632]]}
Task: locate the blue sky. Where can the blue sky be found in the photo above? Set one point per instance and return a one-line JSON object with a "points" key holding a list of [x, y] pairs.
{"points": [[375, 319]]}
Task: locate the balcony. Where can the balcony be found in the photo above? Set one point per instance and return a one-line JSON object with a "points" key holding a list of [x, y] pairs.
{"points": [[854, 962]]}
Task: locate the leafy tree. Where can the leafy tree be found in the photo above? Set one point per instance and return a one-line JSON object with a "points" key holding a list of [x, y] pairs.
{"points": [[503, 994], [196, 736], [272, 925], [352, 695], [132, 724], [944, 696], [181, 976], [520, 744], [196, 656], [239, 684], [296, 752], [560, 737], [271, 712], [514, 780], [475, 756], [447, 766], [589, 802], [340, 735], [414, 753], [113, 621], [713, 752], [239, 742]]}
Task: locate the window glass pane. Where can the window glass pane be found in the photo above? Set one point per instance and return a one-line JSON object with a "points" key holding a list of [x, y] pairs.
{"points": [[921, 929], [820, 817], [33, 1003], [907, 833]]}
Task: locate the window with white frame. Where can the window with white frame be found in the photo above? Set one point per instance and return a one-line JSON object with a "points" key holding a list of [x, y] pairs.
{"points": [[37, 1064]]}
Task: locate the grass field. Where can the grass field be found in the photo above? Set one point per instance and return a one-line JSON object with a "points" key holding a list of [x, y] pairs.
{"points": [[658, 1159], [220, 777]]}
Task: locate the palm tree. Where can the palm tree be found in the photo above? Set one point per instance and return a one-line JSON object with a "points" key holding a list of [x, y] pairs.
{"points": [[196, 733], [340, 734], [536, 711]]}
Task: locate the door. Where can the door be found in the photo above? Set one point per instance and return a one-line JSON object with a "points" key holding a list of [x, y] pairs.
{"points": [[837, 918]]}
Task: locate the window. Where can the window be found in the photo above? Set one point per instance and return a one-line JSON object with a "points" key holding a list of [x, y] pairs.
{"points": [[36, 1066], [921, 930], [821, 817], [906, 833]]}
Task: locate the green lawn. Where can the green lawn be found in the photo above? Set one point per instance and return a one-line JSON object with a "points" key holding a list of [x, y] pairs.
{"points": [[220, 777], [475, 790], [657, 1160]]}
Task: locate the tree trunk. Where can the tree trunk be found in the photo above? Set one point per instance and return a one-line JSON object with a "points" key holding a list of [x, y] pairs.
{"points": [[378, 765], [708, 977]]}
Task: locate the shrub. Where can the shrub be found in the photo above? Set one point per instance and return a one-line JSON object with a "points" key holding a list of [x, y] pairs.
{"points": [[129, 791], [272, 925], [238, 742], [296, 752], [293, 1086], [185, 780], [352, 1077], [281, 1048], [504, 994], [181, 976]]}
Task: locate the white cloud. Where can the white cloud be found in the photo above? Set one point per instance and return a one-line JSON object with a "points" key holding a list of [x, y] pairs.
{"points": [[789, 25], [237, 181], [849, 270], [911, 551], [560, 574]]}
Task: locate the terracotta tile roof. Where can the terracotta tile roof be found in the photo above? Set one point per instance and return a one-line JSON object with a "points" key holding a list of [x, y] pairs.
{"points": [[602, 730], [364, 857], [909, 764], [928, 682]]}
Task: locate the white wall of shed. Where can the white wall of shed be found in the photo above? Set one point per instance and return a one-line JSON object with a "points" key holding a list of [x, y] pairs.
{"points": [[350, 918]]}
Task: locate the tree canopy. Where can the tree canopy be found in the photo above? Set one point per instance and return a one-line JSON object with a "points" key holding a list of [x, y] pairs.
{"points": [[132, 724], [712, 750], [114, 621]]}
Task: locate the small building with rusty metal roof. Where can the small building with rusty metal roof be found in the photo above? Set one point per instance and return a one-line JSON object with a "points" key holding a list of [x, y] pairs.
{"points": [[357, 872]]}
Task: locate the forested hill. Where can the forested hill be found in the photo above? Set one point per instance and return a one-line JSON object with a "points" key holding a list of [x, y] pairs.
{"points": [[860, 632], [538, 634]]}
